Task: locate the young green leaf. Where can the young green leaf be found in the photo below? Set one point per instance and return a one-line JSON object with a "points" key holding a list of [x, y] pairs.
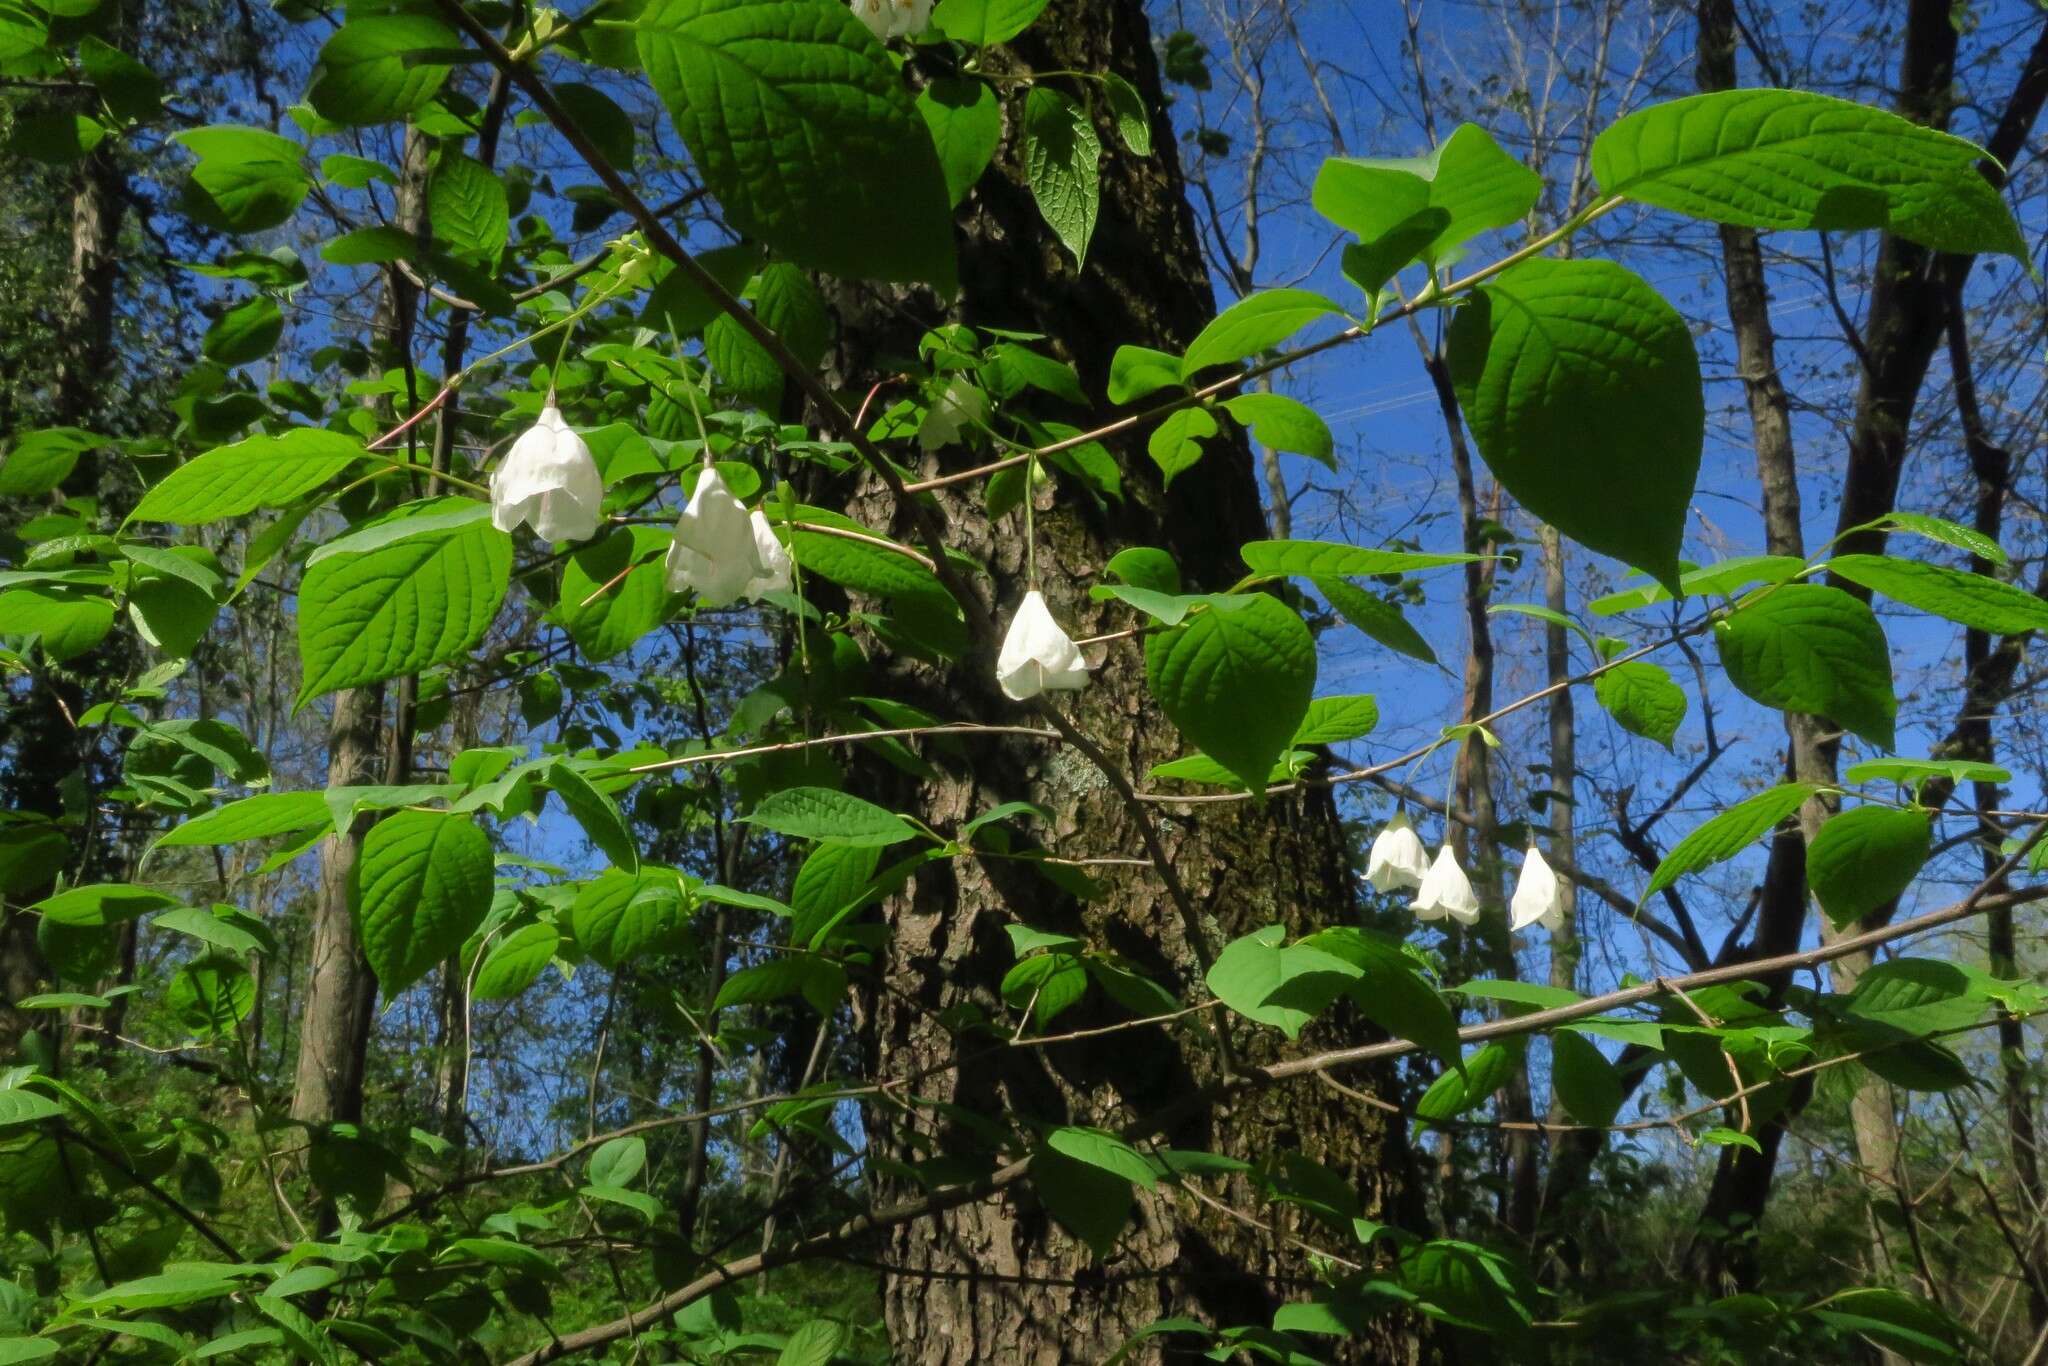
{"points": [[371, 69], [262, 471], [515, 962], [1430, 204], [966, 124], [1285, 424], [1374, 615], [818, 813]]}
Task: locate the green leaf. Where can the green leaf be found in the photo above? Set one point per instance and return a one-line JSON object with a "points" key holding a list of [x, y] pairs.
{"points": [[801, 127], [818, 813], [1133, 120], [598, 814], [1285, 424], [1236, 683], [1144, 566], [56, 139], [211, 995], [424, 886], [619, 916], [617, 1161], [373, 607], [1586, 1082], [789, 305], [1791, 159], [1062, 157], [616, 620], [677, 306], [1090, 1203], [1455, 1092], [816, 1343], [41, 460], [67, 622], [1642, 699], [262, 471], [1466, 186], [1948, 533], [1333, 720], [1313, 559], [1254, 324], [21, 1351], [192, 1283], [1912, 770], [224, 927], [820, 981], [1374, 615], [1104, 1150], [982, 22], [609, 128], [1862, 859], [516, 961], [1729, 833], [101, 903], [1913, 1328], [966, 124], [1267, 981], [257, 817], [247, 179], [467, 206], [369, 70], [1582, 389], [1176, 444], [372, 246], [19, 1107], [1974, 600], [1808, 648], [1135, 371], [131, 90], [1391, 991], [246, 332]]}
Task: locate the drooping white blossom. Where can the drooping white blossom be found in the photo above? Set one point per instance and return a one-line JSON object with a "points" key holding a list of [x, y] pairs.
{"points": [[1398, 859], [774, 559], [1539, 896], [549, 482], [717, 550], [1446, 891], [959, 406], [1037, 654], [888, 19]]}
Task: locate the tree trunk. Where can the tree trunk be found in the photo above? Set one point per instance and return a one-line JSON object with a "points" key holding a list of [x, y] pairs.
{"points": [[999, 1280]]}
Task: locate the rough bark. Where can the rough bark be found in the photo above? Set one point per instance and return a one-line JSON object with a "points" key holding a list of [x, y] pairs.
{"points": [[999, 1280]]}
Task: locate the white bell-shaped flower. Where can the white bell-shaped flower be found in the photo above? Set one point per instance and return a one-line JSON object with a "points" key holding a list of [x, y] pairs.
{"points": [[1446, 891], [550, 482], [1037, 654], [775, 576], [1539, 895], [1398, 859], [959, 406], [888, 19], [717, 551]]}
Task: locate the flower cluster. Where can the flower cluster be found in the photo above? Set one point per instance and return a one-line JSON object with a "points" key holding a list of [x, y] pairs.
{"points": [[888, 19], [1399, 861]]}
